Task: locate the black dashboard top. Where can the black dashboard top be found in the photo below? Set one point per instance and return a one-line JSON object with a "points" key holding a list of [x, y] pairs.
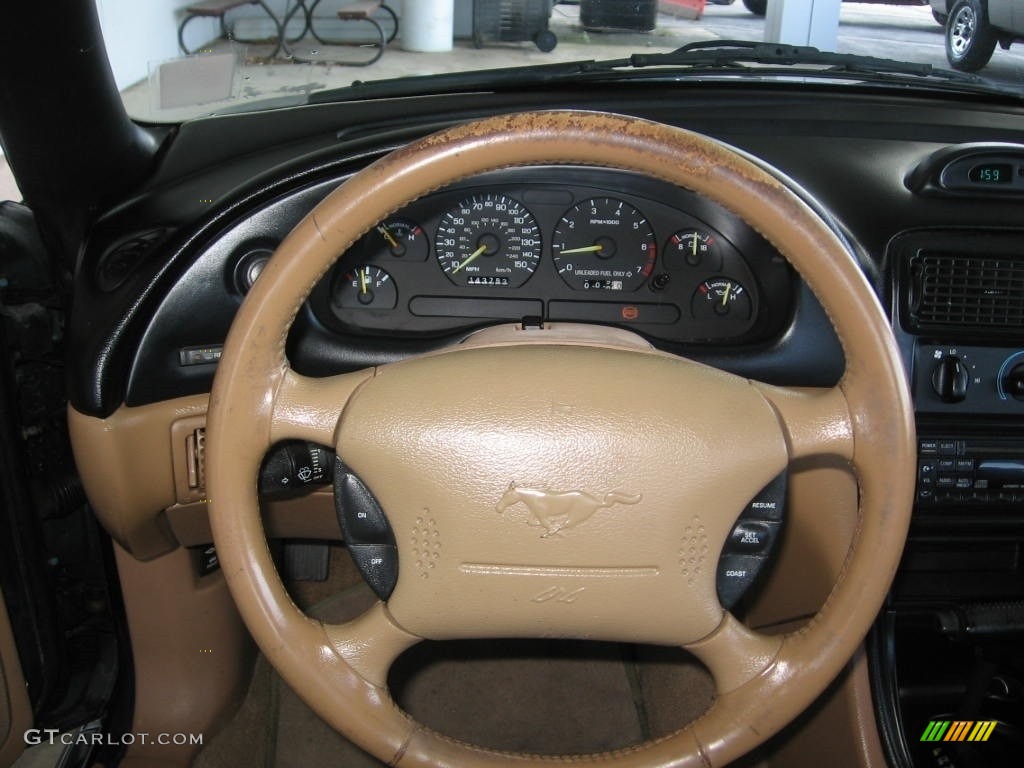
{"points": [[165, 271]]}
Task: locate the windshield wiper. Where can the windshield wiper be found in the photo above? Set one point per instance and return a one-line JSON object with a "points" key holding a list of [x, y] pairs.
{"points": [[736, 54], [710, 58]]}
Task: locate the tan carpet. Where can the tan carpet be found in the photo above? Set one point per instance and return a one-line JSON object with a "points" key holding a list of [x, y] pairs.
{"points": [[547, 697]]}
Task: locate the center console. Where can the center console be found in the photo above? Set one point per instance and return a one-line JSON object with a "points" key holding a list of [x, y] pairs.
{"points": [[949, 647]]}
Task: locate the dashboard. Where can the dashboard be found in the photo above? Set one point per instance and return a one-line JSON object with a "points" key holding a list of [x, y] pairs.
{"points": [[527, 245], [913, 185], [560, 244]]}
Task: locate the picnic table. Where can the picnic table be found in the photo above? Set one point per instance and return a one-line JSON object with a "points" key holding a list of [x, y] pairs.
{"points": [[351, 11]]}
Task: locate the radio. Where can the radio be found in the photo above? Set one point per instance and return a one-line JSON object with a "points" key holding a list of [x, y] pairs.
{"points": [[978, 471]]}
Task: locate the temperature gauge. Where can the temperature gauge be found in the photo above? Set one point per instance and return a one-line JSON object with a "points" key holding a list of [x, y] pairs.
{"points": [[366, 287], [397, 239], [721, 297]]}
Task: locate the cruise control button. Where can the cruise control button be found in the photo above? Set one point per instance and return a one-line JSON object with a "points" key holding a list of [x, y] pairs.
{"points": [[770, 503], [362, 520], [736, 573], [749, 538], [379, 565]]}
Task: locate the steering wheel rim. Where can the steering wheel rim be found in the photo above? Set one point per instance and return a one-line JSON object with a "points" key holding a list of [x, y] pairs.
{"points": [[866, 419]]}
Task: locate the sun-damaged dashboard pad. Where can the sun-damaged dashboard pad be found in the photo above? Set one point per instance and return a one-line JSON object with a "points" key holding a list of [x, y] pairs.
{"points": [[563, 244]]}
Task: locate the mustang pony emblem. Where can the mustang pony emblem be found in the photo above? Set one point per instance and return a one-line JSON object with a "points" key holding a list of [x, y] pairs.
{"points": [[558, 510]]}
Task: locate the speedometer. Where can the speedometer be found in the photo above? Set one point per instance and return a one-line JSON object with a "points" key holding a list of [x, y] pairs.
{"points": [[604, 244], [488, 239]]}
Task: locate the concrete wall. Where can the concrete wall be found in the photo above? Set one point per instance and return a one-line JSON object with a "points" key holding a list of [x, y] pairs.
{"points": [[140, 33]]}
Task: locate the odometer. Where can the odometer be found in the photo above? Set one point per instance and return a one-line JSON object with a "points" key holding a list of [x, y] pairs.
{"points": [[488, 239], [604, 244]]}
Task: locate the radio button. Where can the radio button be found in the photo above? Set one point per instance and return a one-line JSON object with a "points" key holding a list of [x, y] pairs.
{"points": [[947, 465], [947, 481], [947, 447], [965, 465], [928, 447], [963, 483]]}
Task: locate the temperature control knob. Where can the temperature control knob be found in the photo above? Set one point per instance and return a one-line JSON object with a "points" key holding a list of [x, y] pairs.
{"points": [[1013, 384], [949, 379]]}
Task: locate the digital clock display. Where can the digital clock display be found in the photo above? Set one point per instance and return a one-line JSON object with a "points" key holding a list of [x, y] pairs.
{"points": [[991, 173]]}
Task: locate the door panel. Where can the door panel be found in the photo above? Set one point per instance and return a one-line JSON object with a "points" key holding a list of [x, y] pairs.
{"points": [[15, 710]]}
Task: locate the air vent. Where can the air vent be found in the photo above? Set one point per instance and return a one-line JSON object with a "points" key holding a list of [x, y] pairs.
{"points": [[950, 290], [117, 264], [195, 457]]}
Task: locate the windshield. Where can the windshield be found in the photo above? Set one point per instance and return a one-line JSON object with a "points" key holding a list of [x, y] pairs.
{"points": [[175, 60]]}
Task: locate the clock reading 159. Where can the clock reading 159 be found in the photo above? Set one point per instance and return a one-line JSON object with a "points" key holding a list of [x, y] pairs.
{"points": [[991, 173]]}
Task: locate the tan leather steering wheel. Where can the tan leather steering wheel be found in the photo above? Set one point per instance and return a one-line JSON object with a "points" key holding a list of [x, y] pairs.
{"points": [[560, 417]]}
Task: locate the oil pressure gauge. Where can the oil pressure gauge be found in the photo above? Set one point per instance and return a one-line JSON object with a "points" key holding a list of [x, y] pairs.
{"points": [[366, 287], [721, 298]]}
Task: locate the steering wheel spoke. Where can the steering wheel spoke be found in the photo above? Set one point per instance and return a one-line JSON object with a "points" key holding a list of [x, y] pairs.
{"points": [[370, 643], [309, 408], [816, 422], [735, 654]]}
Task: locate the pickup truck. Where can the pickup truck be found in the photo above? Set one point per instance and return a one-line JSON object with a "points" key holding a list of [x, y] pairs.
{"points": [[973, 27]]}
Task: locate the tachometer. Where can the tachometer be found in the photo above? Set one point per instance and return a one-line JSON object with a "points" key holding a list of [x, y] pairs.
{"points": [[604, 244], [488, 239]]}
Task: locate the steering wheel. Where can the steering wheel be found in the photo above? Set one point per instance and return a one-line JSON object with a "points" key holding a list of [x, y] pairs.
{"points": [[441, 439]]}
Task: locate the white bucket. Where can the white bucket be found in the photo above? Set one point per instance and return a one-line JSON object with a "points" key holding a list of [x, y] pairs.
{"points": [[427, 25]]}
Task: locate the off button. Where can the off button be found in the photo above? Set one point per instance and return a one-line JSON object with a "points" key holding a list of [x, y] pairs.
{"points": [[750, 538]]}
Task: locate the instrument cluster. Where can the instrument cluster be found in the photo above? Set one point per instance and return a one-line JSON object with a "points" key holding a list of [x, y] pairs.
{"points": [[561, 244]]}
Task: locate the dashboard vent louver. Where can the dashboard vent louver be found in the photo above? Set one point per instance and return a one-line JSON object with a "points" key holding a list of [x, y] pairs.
{"points": [[951, 290]]}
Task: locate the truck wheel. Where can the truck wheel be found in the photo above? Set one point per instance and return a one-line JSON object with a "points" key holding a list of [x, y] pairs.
{"points": [[970, 39], [757, 7]]}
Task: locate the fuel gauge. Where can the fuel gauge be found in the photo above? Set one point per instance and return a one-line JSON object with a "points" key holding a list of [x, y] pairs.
{"points": [[366, 287], [721, 297]]}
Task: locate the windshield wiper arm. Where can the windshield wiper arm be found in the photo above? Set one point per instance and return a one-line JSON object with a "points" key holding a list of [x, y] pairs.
{"points": [[734, 54], [698, 58]]}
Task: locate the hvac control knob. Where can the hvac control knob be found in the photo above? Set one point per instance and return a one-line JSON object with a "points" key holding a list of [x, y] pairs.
{"points": [[1014, 382], [949, 379]]}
